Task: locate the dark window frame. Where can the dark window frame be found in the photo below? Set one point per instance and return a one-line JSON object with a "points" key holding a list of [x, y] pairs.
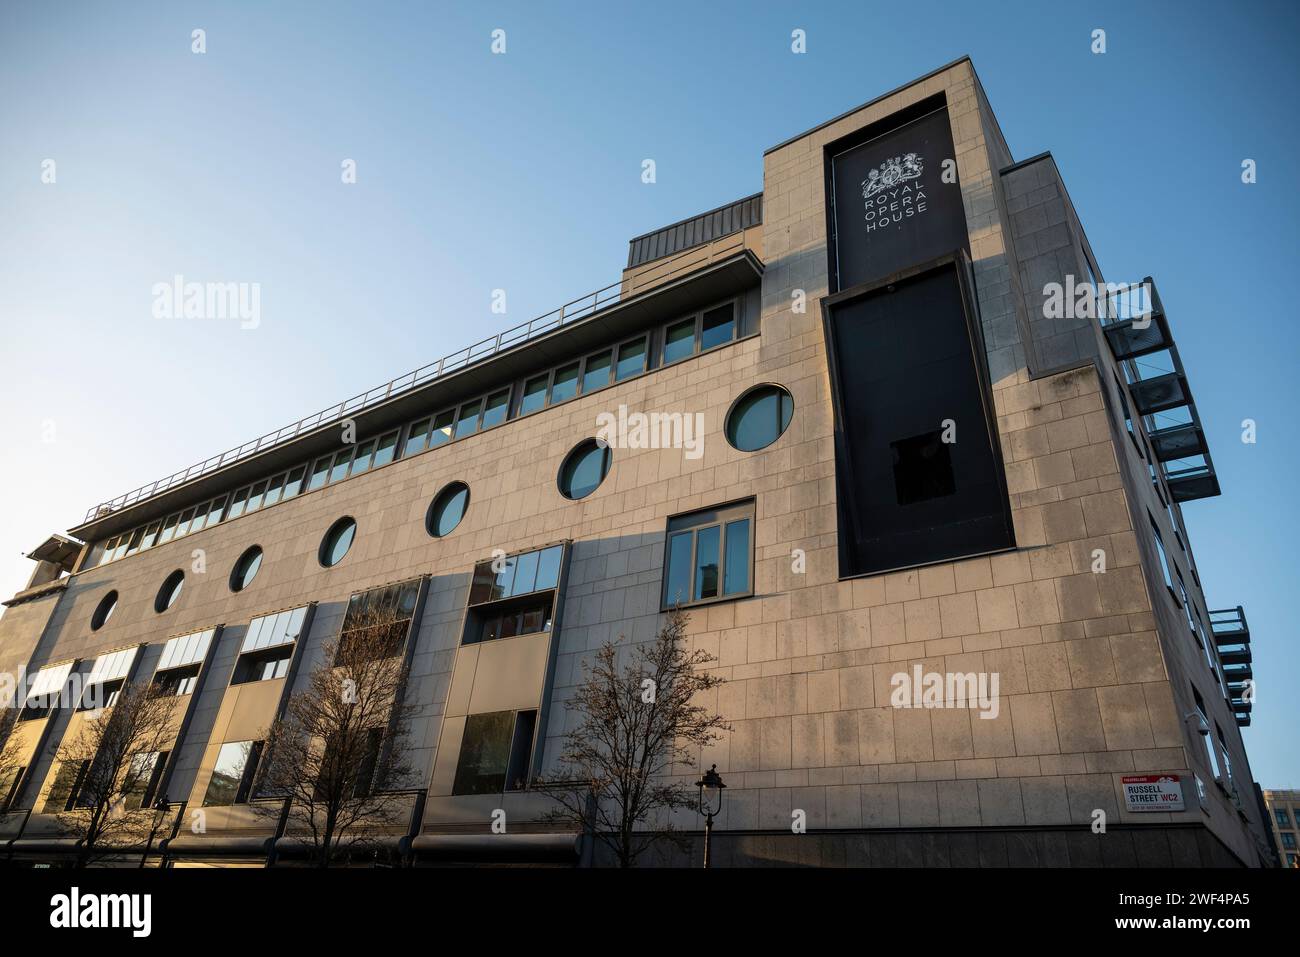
{"points": [[719, 516]]}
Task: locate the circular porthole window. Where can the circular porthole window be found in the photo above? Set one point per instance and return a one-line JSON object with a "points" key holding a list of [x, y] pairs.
{"points": [[170, 591], [337, 541], [246, 569], [584, 469], [103, 611], [759, 417], [447, 509]]}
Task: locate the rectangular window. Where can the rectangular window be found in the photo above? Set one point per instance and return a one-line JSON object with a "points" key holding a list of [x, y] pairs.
{"points": [[484, 753], [232, 778], [498, 405], [200, 516], [320, 473], [679, 341], [517, 575], [143, 774], [177, 682], [293, 485], [183, 526], [9, 784], [718, 326], [1227, 762], [521, 751], [255, 497], [565, 386], [66, 787], [631, 359], [133, 545], [361, 463], [1283, 818], [442, 426], [495, 753], [1288, 841], [263, 665], [274, 490], [386, 449], [417, 439], [1211, 752], [1164, 560], [596, 373], [534, 396], [529, 619], [151, 533], [169, 528], [709, 555], [340, 469], [467, 422]]}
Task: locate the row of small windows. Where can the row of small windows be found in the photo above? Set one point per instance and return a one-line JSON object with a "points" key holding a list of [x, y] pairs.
{"points": [[680, 340], [757, 419]]}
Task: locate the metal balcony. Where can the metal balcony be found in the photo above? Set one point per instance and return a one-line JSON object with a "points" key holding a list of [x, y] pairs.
{"points": [[1137, 330], [1232, 637]]}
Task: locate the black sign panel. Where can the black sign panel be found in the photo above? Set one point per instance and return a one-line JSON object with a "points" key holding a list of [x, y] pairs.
{"points": [[918, 474], [897, 201]]}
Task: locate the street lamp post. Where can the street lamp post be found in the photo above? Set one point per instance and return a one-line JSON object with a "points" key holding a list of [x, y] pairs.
{"points": [[710, 786]]}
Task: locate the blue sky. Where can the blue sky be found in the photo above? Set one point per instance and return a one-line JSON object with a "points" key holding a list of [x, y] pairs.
{"points": [[522, 172]]}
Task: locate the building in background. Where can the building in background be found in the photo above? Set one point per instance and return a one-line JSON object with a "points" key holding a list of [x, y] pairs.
{"points": [[1283, 806], [927, 449]]}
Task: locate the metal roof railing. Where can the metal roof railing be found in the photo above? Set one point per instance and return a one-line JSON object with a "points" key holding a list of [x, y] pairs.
{"points": [[570, 312]]}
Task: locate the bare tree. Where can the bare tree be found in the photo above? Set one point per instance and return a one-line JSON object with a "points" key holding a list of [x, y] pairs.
{"points": [[339, 752], [10, 753], [635, 725], [118, 747]]}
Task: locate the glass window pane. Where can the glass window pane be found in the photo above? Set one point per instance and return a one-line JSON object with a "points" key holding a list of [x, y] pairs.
{"points": [[679, 342], [759, 418], [566, 383], [273, 491], [505, 580], [677, 590], [467, 424], [534, 394], [631, 359], [319, 473], [596, 373], [228, 773], [151, 533], [497, 406], [340, 469], [736, 566], [384, 452], [362, 461], [417, 440], [525, 573], [442, 425], [548, 568], [255, 497], [294, 485], [169, 526], [448, 509], [484, 753], [706, 562], [718, 326], [183, 527], [584, 470]]}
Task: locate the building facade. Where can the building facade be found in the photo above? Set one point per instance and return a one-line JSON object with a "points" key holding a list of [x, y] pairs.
{"points": [[1283, 806], [890, 440]]}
